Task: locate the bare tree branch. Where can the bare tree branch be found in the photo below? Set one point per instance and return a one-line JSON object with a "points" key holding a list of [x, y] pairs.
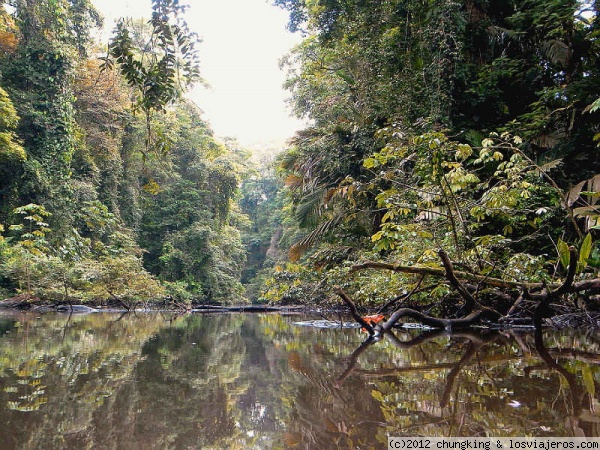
{"points": [[466, 295], [367, 326]]}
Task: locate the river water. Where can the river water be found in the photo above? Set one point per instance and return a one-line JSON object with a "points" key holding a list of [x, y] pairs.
{"points": [[249, 381]]}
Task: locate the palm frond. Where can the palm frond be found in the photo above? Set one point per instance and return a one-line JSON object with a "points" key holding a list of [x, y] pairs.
{"points": [[293, 181], [300, 247], [288, 160], [557, 52], [310, 207], [546, 167]]}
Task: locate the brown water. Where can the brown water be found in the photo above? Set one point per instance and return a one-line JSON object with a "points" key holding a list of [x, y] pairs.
{"points": [[157, 381]]}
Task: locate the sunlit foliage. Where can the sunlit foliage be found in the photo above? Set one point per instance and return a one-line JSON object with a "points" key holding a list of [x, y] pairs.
{"points": [[465, 126]]}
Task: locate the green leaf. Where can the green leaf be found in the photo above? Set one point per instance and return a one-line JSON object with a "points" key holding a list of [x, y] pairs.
{"points": [[463, 151], [377, 395], [585, 250], [377, 236], [563, 253], [369, 163], [590, 193], [388, 216], [585, 211], [593, 107], [588, 380]]}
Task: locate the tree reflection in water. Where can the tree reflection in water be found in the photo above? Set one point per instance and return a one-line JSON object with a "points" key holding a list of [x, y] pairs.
{"points": [[157, 381]]}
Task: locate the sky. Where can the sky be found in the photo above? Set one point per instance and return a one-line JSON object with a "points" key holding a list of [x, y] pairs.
{"points": [[242, 42]]}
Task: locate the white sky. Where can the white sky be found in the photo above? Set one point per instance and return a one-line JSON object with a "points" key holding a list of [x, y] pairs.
{"points": [[243, 41]]}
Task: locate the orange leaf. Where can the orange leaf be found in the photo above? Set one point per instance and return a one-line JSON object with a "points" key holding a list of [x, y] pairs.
{"points": [[373, 319]]}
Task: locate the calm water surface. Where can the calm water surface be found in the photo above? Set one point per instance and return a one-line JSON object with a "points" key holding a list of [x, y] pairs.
{"points": [[160, 381]]}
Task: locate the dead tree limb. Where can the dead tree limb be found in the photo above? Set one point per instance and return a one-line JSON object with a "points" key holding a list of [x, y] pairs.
{"points": [[592, 285], [543, 308], [450, 275], [367, 326], [516, 303], [489, 281], [118, 300], [434, 322], [405, 297], [354, 359], [587, 285], [566, 286]]}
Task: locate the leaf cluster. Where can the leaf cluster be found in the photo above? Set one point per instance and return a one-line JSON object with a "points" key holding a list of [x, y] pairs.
{"points": [[161, 68]]}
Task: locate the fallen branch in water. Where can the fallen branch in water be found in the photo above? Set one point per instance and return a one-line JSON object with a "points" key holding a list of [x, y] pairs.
{"points": [[592, 285], [542, 293], [543, 309], [366, 325], [430, 321], [118, 300], [451, 276], [434, 322]]}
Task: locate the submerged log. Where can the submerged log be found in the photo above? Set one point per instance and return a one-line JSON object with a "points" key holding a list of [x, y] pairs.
{"points": [[79, 309], [240, 308]]}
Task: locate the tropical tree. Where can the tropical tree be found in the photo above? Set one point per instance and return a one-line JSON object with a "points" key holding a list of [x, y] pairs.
{"points": [[159, 61], [32, 242], [12, 154]]}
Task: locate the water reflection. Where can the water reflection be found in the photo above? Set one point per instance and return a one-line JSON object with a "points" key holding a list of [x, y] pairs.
{"points": [[157, 381]]}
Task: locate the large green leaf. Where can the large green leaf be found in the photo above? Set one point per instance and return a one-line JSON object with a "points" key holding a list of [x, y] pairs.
{"points": [[585, 251], [563, 253]]}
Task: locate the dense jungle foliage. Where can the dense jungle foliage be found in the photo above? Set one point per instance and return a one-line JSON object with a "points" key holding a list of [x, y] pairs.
{"points": [[471, 127], [112, 185]]}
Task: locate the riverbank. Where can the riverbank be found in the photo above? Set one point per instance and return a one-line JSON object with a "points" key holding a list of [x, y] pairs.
{"points": [[26, 302], [571, 318]]}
